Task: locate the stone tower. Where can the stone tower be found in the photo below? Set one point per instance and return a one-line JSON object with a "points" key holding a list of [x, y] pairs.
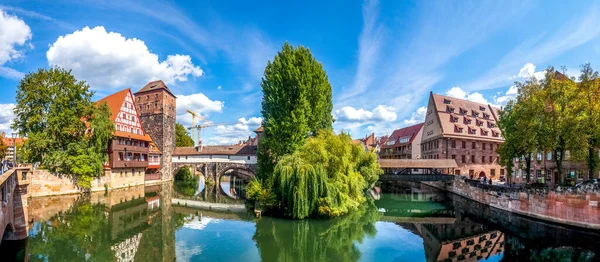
{"points": [[157, 108]]}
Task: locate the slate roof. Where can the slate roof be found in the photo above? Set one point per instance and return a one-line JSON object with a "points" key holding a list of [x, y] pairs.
{"points": [[154, 85], [403, 132]]}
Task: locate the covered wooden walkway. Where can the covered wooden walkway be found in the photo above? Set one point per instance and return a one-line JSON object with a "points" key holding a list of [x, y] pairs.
{"points": [[417, 166]]}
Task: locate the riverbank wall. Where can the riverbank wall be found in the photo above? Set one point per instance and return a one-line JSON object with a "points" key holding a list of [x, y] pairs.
{"points": [[578, 209], [44, 183]]}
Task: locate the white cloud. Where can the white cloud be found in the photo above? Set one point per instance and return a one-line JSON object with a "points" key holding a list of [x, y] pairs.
{"points": [[185, 251], [6, 117], [219, 87], [417, 116], [14, 33], [459, 93], [512, 90], [229, 134], [528, 70], [198, 103], [379, 114], [253, 121], [108, 60]]}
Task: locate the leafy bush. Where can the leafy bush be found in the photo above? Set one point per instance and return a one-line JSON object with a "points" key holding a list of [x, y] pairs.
{"points": [[327, 177], [184, 173]]}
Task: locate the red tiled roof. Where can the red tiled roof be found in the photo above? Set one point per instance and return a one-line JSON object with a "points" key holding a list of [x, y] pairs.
{"points": [[144, 137], [403, 132], [448, 126], [154, 85], [259, 129], [216, 150], [115, 101]]}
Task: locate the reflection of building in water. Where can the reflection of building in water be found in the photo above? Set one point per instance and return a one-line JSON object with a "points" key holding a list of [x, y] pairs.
{"points": [[462, 241], [125, 251]]}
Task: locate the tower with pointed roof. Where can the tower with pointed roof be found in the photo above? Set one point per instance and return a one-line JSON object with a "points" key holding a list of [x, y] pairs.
{"points": [[157, 106]]}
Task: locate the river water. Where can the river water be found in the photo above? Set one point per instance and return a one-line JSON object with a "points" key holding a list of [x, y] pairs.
{"points": [[417, 224]]}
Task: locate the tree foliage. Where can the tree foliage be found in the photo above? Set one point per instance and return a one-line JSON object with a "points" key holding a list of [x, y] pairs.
{"points": [[297, 102], [556, 115], [326, 177], [182, 138], [3, 147], [184, 173], [67, 132]]}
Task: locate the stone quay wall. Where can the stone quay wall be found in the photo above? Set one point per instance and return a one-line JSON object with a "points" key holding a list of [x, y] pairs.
{"points": [[44, 183], [578, 209]]}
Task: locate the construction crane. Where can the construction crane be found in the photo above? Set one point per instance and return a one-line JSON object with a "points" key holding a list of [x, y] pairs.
{"points": [[197, 127]]}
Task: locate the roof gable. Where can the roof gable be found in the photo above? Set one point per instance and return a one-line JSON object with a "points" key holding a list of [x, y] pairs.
{"points": [[409, 131], [155, 85]]}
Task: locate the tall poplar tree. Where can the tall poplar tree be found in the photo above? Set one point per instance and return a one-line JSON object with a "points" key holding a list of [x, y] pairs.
{"points": [[297, 102], [182, 138]]}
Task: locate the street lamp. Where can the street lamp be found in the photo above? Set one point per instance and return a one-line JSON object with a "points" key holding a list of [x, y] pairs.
{"points": [[14, 137]]}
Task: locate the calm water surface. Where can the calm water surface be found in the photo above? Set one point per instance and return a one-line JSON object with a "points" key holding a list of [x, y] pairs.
{"points": [[419, 224]]}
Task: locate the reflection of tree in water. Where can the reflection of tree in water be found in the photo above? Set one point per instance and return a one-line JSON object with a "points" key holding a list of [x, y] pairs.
{"points": [[187, 188], [77, 234], [315, 240]]}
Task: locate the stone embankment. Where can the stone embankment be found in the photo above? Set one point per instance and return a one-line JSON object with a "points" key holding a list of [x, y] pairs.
{"points": [[570, 208]]}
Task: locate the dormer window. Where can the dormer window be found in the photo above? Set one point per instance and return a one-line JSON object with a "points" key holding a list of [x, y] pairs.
{"points": [[458, 129], [495, 134], [475, 114], [450, 109], [463, 111], [453, 118], [472, 131], [482, 108], [484, 133], [491, 124], [479, 123], [486, 116], [467, 121], [447, 101]]}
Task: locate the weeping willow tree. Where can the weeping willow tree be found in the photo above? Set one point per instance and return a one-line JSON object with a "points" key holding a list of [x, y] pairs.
{"points": [[327, 177]]}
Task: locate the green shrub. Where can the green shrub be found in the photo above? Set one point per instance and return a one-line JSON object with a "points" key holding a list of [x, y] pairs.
{"points": [[184, 173]]}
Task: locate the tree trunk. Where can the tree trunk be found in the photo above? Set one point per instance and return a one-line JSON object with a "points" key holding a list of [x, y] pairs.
{"points": [[528, 167]]}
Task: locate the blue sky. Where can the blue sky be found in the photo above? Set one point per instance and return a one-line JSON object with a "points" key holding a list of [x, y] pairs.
{"points": [[382, 57]]}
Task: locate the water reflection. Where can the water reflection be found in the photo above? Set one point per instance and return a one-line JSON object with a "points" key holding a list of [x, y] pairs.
{"points": [[419, 224], [123, 226], [233, 186]]}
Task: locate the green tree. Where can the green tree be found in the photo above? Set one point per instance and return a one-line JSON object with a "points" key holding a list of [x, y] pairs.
{"points": [[184, 173], [67, 132], [589, 91], [297, 102], [327, 177], [3, 147], [182, 138]]}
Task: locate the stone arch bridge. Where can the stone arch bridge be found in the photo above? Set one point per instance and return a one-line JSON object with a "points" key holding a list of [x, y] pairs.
{"points": [[215, 170]]}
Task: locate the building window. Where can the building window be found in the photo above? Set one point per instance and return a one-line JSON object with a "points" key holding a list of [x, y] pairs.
{"points": [[464, 144], [491, 160], [453, 143], [472, 159], [482, 159], [453, 156], [549, 156], [462, 159], [473, 145], [493, 172], [483, 145], [120, 156], [447, 101], [579, 174], [155, 95], [248, 157]]}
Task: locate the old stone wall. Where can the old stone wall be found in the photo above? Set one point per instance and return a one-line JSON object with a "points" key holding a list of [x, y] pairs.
{"points": [[44, 183], [161, 128], [571, 208]]}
